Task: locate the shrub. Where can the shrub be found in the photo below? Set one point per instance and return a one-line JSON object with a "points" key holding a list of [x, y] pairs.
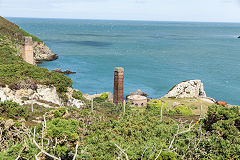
{"points": [[61, 127], [59, 112], [223, 124], [77, 95], [155, 106], [102, 98], [13, 110], [183, 110]]}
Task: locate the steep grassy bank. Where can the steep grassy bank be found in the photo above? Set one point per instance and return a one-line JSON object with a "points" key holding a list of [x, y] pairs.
{"points": [[13, 70], [13, 32]]}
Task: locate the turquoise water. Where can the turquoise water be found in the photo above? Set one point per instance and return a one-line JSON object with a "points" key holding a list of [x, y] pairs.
{"points": [[155, 55]]}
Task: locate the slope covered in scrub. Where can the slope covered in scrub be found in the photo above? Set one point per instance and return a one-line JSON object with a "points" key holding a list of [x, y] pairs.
{"points": [[14, 70]]}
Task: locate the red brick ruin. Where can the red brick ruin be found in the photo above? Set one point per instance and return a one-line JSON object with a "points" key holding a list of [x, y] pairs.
{"points": [[118, 85]]}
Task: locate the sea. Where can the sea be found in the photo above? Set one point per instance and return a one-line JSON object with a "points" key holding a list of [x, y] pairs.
{"points": [[155, 55]]}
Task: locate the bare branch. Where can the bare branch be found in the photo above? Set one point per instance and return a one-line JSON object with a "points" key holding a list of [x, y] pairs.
{"points": [[75, 155], [123, 151]]}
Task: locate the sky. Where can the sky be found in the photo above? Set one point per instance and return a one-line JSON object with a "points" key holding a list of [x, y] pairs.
{"points": [[155, 10]]}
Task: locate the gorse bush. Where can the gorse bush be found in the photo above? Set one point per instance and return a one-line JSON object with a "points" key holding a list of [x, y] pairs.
{"points": [[141, 134], [77, 95], [155, 106], [102, 98], [182, 110], [224, 125], [13, 110], [59, 112]]}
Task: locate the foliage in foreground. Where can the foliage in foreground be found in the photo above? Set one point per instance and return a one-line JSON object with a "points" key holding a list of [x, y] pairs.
{"points": [[140, 134]]}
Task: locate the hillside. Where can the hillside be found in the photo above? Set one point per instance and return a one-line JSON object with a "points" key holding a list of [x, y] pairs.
{"points": [[43, 130], [10, 32], [13, 70]]}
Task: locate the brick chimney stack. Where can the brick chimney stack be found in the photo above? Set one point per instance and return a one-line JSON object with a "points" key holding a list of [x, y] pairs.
{"points": [[118, 85]]}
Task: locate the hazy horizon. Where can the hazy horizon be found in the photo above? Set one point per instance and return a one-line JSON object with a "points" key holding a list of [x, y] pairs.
{"points": [[139, 10], [120, 20]]}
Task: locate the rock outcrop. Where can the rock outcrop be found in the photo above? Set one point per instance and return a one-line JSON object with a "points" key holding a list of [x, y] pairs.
{"points": [[44, 96], [191, 89], [59, 70], [90, 97], [43, 53]]}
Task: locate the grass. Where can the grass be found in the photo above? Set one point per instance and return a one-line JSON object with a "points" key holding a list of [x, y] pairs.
{"points": [[193, 103]]}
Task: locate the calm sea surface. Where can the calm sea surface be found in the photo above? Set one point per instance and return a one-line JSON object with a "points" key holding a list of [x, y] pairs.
{"points": [[155, 55]]}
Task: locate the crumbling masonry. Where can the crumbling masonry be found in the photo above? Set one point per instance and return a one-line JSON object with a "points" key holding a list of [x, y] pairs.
{"points": [[27, 52]]}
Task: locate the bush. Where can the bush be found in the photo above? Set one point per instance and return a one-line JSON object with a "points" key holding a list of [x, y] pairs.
{"points": [[224, 125], [77, 95], [102, 98], [183, 110], [59, 112], [61, 127], [155, 106], [13, 110]]}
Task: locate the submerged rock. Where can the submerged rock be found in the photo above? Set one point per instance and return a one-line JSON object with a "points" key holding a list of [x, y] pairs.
{"points": [[191, 89], [64, 72]]}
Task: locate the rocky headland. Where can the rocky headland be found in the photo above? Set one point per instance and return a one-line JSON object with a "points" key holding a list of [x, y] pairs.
{"points": [[43, 53], [191, 88]]}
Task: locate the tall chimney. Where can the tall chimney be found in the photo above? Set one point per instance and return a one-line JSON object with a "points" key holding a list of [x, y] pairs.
{"points": [[118, 85], [27, 53]]}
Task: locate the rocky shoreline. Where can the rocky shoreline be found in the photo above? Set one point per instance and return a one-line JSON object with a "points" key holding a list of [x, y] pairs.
{"points": [[43, 53]]}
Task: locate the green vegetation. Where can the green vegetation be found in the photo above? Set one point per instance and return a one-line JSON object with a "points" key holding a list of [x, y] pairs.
{"points": [[13, 32], [155, 106], [13, 110], [13, 71], [106, 132], [102, 98], [224, 125], [59, 112], [77, 95], [140, 134]]}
